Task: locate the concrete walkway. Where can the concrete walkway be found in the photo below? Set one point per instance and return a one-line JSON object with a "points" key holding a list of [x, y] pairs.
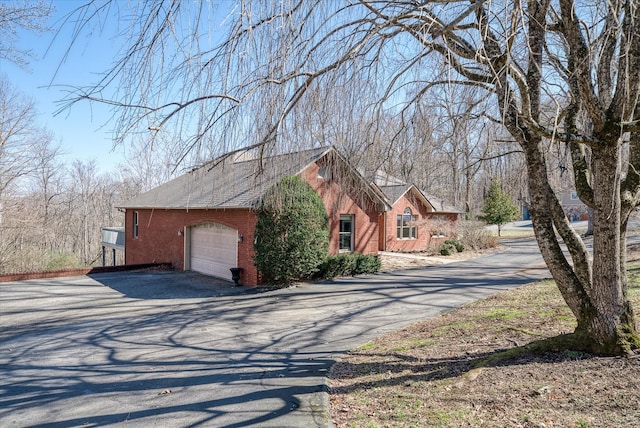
{"points": [[173, 349]]}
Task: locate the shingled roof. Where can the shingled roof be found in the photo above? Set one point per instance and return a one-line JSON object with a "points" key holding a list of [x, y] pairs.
{"points": [[228, 182], [394, 188], [393, 193], [439, 205], [240, 181]]}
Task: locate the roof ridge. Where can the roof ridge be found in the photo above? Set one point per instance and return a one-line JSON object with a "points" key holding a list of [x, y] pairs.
{"points": [[225, 183], [277, 155]]}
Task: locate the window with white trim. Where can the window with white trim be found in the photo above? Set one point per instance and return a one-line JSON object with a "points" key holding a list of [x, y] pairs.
{"points": [[135, 224], [346, 232], [406, 225]]}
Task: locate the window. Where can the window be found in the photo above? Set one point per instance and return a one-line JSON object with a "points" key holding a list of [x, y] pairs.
{"points": [[439, 224], [324, 172], [406, 227], [346, 233], [135, 224], [574, 196]]}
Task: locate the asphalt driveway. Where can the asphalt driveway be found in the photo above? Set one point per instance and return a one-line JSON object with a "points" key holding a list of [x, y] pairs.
{"points": [[179, 349]]}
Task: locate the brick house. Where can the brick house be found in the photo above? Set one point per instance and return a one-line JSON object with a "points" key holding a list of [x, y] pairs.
{"points": [[205, 220], [573, 207], [413, 223]]}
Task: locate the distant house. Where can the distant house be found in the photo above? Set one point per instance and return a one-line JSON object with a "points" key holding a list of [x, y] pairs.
{"points": [[205, 220], [414, 221], [573, 207]]}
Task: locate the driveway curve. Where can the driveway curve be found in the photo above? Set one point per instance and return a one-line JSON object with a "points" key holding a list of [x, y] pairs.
{"points": [[177, 349]]}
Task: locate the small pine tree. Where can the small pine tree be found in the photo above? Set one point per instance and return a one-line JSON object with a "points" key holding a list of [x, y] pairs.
{"points": [[292, 232], [498, 206]]}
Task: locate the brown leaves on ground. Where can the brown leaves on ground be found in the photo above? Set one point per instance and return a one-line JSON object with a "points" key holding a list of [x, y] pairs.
{"points": [[468, 368]]}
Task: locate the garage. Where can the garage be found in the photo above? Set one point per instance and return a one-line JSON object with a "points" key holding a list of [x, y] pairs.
{"points": [[214, 249]]}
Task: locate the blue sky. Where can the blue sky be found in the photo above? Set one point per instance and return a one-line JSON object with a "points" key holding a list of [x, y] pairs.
{"points": [[84, 130]]}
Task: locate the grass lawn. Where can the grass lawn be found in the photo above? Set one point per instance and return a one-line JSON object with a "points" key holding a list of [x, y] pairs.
{"points": [[440, 372]]}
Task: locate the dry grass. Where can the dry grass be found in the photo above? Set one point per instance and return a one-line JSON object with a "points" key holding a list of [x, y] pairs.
{"points": [[430, 258], [513, 233], [443, 372]]}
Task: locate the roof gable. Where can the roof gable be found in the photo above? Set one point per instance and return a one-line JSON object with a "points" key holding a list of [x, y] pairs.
{"points": [[396, 192], [394, 189]]}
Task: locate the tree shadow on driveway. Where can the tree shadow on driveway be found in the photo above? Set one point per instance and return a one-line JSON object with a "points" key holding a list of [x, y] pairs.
{"points": [[98, 353]]}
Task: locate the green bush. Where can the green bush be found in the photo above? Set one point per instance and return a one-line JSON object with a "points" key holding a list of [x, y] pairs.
{"points": [[459, 246], [339, 265], [451, 246], [348, 264], [292, 232], [447, 249], [367, 264]]}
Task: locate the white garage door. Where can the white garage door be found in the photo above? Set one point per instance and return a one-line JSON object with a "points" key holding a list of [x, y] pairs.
{"points": [[214, 249]]}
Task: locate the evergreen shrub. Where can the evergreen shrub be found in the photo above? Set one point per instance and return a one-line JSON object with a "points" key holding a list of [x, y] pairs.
{"points": [[292, 232], [451, 246], [348, 264]]}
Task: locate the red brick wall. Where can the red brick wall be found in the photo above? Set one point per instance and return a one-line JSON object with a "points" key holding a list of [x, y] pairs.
{"points": [[423, 237], [159, 242], [24, 276], [337, 202]]}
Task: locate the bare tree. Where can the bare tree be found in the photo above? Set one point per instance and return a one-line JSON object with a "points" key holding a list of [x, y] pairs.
{"points": [[47, 187], [19, 132], [30, 214], [462, 133], [84, 187], [582, 58], [26, 15], [150, 163]]}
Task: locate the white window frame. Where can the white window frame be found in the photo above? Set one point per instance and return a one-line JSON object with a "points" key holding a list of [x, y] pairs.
{"points": [[351, 234], [403, 224], [136, 228]]}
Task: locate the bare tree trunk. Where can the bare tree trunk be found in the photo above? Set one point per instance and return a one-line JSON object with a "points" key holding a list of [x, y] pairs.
{"points": [[595, 294], [610, 322]]}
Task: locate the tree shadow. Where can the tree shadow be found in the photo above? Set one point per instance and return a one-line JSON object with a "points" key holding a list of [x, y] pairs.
{"points": [[119, 374], [412, 370], [100, 353]]}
